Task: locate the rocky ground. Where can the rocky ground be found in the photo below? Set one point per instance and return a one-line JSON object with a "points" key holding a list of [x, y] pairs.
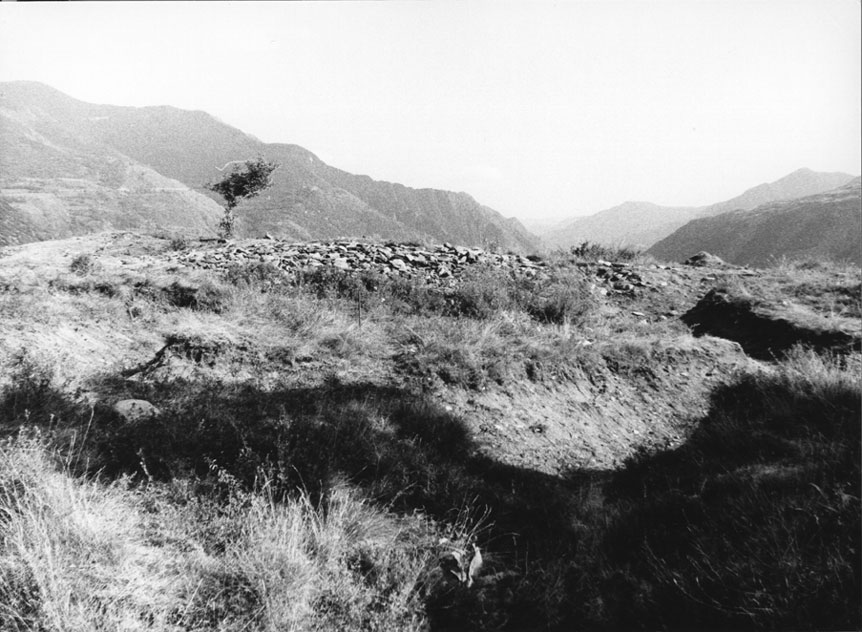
{"points": [[643, 380]]}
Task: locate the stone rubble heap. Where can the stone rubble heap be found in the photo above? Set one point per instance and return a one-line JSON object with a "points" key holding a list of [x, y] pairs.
{"points": [[619, 277], [437, 265]]}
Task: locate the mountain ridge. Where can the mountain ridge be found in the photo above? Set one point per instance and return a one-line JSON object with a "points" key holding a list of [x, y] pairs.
{"points": [[823, 225], [308, 200], [645, 224]]}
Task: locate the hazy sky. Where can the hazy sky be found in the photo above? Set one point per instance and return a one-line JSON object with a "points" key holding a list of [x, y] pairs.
{"points": [[537, 109]]}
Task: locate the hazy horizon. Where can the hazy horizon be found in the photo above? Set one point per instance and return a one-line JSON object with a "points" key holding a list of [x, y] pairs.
{"points": [[539, 110]]}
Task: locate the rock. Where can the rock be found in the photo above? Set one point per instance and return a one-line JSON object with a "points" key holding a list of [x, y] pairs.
{"points": [[703, 259], [764, 332], [135, 410], [434, 265]]}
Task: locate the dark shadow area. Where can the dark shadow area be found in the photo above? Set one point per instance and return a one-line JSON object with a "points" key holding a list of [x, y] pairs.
{"points": [[761, 336], [405, 451], [753, 523]]}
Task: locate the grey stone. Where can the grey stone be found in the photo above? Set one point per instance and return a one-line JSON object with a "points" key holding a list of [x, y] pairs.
{"points": [[135, 410]]}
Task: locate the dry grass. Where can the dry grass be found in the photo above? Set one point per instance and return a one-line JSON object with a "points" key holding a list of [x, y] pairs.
{"points": [[74, 555], [302, 476], [78, 554]]}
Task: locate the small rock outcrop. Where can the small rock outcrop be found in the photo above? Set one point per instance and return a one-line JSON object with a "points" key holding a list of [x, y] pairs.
{"points": [[704, 259], [135, 410], [761, 333]]}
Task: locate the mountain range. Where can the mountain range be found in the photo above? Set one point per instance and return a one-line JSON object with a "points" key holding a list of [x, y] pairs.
{"points": [[644, 224], [824, 225], [68, 167]]}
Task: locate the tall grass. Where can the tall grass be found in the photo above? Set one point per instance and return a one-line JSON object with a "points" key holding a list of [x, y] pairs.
{"points": [[78, 554], [73, 553]]}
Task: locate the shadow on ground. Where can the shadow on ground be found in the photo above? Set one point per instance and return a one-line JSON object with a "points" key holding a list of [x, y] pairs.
{"points": [[761, 334], [753, 523]]}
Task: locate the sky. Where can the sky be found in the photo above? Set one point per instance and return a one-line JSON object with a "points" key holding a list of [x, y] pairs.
{"points": [[541, 110]]}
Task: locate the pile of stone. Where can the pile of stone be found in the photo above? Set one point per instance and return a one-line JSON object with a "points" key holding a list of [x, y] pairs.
{"points": [[617, 277], [434, 264]]}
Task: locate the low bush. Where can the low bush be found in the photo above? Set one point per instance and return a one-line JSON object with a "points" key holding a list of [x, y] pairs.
{"points": [[82, 265], [206, 296], [86, 284], [588, 251], [564, 297], [481, 292], [259, 275]]}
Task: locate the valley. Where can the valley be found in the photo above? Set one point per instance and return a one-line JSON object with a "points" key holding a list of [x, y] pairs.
{"points": [[430, 317]]}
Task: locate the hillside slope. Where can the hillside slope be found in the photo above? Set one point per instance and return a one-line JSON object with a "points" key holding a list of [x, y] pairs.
{"points": [[308, 199], [800, 183], [57, 180], [644, 224], [630, 223], [826, 225]]}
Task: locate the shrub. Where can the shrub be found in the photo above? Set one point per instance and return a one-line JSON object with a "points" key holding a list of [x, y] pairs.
{"points": [[205, 297], [561, 298], [481, 292], [82, 265], [264, 276], [180, 242], [411, 296], [588, 251]]}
